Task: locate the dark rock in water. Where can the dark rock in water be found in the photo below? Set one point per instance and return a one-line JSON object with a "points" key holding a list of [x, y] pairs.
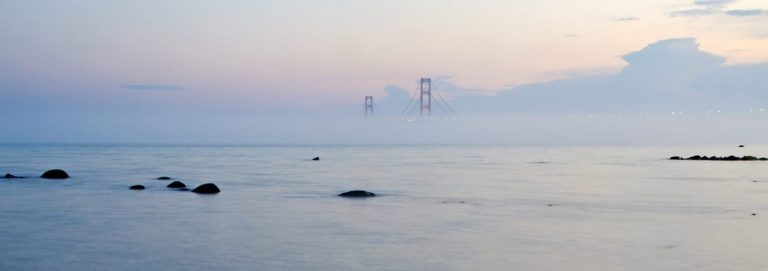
{"points": [[55, 174], [754, 213], [741, 146], [208, 188], [11, 176], [316, 159], [176, 184], [137, 187], [357, 194], [724, 158], [164, 178]]}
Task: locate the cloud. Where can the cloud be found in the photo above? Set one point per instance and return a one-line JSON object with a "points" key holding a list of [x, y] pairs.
{"points": [[717, 7], [713, 3], [151, 87], [665, 76], [626, 19], [670, 57], [694, 12], [747, 12]]}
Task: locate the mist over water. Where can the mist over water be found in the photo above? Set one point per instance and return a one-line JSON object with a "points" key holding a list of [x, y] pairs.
{"points": [[666, 128], [669, 92]]}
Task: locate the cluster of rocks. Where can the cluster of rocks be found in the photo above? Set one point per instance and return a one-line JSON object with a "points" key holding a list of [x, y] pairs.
{"points": [[723, 158], [51, 174], [208, 188]]}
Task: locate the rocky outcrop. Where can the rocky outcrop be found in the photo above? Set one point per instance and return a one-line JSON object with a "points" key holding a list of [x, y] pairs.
{"points": [[137, 187], [316, 159], [176, 184], [11, 176], [55, 174], [357, 194], [164, 178], [208, 188], [723, 158]]}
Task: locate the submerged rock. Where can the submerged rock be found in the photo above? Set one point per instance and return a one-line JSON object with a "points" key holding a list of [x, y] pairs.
{"points": [[176, 184], [316, 159], [357, 194], [208, 188], [137, 187], [741, 146], [11, 176], [55, 174], [164, 178]]}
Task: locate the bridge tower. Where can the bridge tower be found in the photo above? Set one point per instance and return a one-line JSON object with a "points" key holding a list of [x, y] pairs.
{"points": [[368, 106], [425, 97]]}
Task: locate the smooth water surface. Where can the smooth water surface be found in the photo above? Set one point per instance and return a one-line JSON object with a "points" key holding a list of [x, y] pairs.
{"points": [[440, 208]]}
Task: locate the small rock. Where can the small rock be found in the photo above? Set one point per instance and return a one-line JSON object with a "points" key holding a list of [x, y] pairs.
{"points": [[11, 176], [164, 178], [675, 158], [754, 181], [137, 187], [357, 194], [316, 159], [55, 174], [741, 146], [550, 205], [176, 184], [754, 213], [208, 188]]}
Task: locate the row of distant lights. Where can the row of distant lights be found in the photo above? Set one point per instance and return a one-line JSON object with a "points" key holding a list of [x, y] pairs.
{"points": [[751, 110], [410, 119]]}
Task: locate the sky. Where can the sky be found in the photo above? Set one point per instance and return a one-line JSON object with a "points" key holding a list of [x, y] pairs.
{"points": [[280, 71]]}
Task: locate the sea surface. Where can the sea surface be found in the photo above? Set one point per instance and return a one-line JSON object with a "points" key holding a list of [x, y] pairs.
{"points": [[440, 207]]}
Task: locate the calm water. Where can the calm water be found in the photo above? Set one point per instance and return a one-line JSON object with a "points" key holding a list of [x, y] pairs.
{"points": [[441, 208]]}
